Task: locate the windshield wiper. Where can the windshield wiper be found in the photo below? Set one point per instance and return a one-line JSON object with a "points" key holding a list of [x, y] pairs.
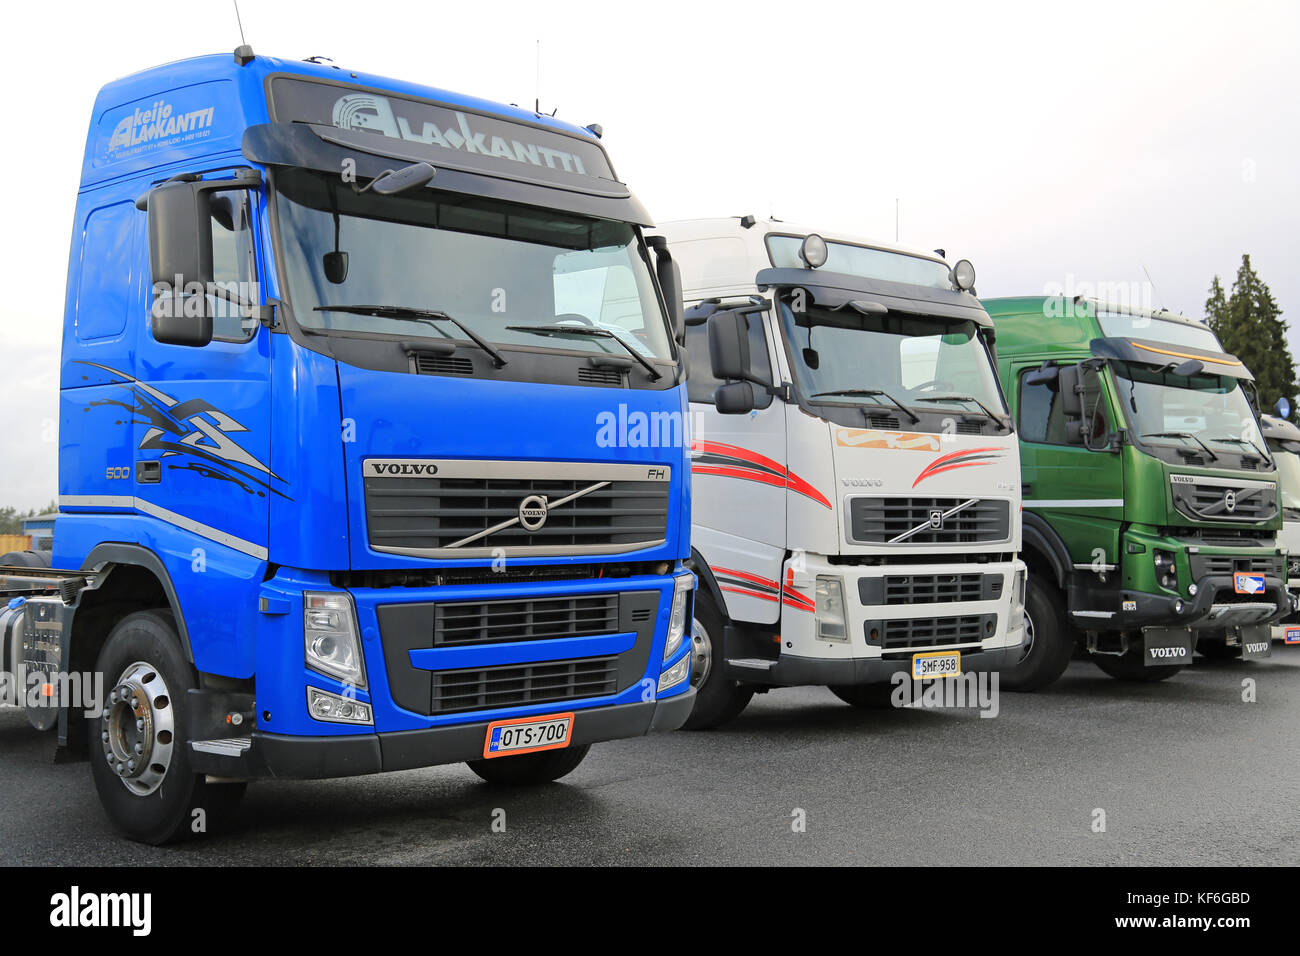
{"points": [[1213, 456], [408, 314], [590, 332], [868, 391], [1244, 441], [968, 398]]}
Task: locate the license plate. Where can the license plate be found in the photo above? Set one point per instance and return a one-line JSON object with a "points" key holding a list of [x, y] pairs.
{"points": [[525, 735], [936, 664], [1292, 635], [1244, 583]]}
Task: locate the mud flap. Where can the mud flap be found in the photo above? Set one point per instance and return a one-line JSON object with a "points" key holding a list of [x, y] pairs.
{"points": [[1256, 642], [1165, 646]]}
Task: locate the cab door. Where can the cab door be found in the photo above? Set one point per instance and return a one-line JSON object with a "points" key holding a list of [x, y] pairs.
{"points": [[1076, 489], [202, 423], [738, 483]]}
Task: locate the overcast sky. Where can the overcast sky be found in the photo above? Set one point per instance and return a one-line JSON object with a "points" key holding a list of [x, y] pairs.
{"points": [[1070, 146]]}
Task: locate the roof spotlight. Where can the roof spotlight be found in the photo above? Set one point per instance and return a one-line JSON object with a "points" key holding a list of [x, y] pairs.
{"points": [[814, 252], [963, 275]]}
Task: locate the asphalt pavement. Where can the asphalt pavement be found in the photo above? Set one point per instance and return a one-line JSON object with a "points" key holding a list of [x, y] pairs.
{"points": [[1185, 771]]}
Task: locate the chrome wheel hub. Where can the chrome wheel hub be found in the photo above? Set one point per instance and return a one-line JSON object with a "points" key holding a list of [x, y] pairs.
{"points": [[701, 653], [137, 729]]}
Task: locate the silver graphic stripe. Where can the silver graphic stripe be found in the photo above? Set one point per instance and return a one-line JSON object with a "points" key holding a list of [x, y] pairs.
{"points": [[1074, 503], [162, 514]]}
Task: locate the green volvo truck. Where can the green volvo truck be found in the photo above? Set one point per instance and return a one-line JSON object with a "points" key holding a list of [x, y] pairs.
{"points": [[1151, 507]]}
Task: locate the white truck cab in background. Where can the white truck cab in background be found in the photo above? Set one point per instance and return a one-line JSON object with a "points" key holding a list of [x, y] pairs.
{"points": [[855, 475], [1283, 439]]}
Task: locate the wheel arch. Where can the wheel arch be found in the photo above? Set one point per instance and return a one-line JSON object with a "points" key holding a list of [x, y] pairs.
{"points": [[1042, 549], [136, 580]]}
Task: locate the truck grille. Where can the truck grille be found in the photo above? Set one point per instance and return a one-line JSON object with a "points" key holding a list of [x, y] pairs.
{"points": [[425, 625], [921, 633], [1243, 501], [487, 688], [909, 520], [487, 622], [478, 509], [1203, 564], [933, 588]]}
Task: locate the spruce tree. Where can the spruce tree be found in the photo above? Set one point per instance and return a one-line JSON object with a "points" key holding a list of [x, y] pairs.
{"points": [[1250, 326]]}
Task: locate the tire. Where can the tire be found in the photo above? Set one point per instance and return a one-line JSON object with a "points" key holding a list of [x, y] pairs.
{"points": [[529, 769], [718, 698], [1218, 649], [1052, 641], [1129, 667], [158, 802], [865, 696]]}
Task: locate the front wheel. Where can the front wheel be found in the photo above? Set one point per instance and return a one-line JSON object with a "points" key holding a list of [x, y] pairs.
{"points": [[530, 769], [718, 698], [1050, 636], [139, 746]]}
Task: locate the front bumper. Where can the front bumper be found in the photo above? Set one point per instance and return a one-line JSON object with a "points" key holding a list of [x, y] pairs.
{"points": [[310, 758], [791, 671], [1214, 607]]}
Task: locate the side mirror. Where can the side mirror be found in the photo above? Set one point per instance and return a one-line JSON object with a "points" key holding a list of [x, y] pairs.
{"points": [[180, 236], [1071, 391], [180, 319], [729, 346], [734, 398], [670, 282], [394, 181], [1045, 374]]}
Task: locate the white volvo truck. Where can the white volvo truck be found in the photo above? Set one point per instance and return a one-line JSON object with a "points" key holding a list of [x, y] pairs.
{"points": [[855, 474]]}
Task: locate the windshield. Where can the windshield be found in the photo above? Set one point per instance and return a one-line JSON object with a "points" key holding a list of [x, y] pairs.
{"points": [[1288, 470], [923, 364], [863, 261], [1168, 409], [490, 265], [1124, 325]]}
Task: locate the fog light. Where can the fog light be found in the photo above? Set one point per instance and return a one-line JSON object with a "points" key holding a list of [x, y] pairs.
{"points": [[337, 709], [675, 674], [1178, 605], [1016, 619], [1192, 589], [830, 609]]}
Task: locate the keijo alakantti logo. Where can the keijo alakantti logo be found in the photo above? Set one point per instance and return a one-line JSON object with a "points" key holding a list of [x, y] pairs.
{"points": [[159, 124]]}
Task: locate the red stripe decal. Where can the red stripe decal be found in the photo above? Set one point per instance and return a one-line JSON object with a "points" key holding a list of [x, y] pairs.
{"points": [[950, 461], [792, 481]]}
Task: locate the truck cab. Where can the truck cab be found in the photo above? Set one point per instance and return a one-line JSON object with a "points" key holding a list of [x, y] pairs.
{"points": [[341, 487], [1283, 437], [855, 476], [1151, 499]]}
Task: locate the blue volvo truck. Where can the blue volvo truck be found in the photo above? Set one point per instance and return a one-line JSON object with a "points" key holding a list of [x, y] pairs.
{"points": [[372, 448]]}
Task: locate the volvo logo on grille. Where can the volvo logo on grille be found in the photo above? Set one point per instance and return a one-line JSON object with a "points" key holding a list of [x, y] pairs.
{"points": [[1230, 501], [532, 512], [936, 518]]}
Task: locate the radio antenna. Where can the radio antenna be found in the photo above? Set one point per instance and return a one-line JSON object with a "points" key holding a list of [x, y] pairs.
{"points": [[537, 80], [239, 20], [1151, 283]]}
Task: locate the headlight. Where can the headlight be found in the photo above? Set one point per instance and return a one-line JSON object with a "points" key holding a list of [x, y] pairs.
{"points": [[963, 275], [682, 586], [329, 629], [675, 674], [1017, 616], [814, 251], [337, 709], [830, 609], [1166, 574]]}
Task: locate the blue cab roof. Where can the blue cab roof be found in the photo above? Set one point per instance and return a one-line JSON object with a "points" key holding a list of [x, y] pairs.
{"points": [[201, 107]]}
